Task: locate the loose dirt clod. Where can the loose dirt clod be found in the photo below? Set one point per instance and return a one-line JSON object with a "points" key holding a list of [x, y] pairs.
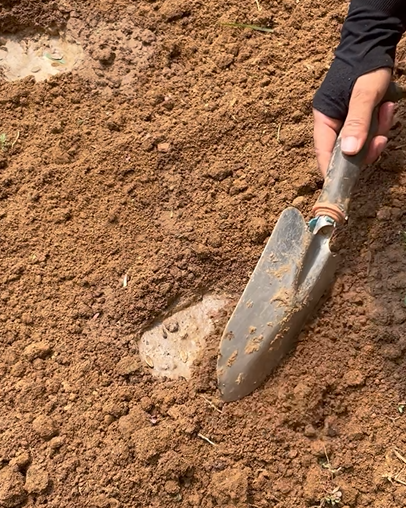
{"points": [[11, 487], [37, 480]]}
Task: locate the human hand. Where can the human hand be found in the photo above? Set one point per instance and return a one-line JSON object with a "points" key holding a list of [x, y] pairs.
{"points": [[367, 93]]}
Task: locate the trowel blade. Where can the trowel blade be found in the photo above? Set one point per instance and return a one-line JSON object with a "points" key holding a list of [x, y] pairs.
{"points": [[293, 272]]}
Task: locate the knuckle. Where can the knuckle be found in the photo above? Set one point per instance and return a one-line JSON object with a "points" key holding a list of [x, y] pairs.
{"points": [[355, 124], [362, 93]]}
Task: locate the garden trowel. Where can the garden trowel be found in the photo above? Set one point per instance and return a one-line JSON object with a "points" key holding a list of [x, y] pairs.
{"points": [[294, 271]]}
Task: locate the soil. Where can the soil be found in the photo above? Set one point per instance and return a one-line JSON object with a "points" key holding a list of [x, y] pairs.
{"points": [[168, 166]]}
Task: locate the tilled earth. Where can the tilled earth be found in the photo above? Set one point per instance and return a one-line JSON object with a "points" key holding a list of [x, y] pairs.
{"points": [[166, 158]]}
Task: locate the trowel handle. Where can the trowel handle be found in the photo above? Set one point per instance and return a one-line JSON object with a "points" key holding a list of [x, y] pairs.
{"points": [[344, 170]]}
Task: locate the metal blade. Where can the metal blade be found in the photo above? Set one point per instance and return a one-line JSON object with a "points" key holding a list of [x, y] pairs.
{"points": [[294, 270]]}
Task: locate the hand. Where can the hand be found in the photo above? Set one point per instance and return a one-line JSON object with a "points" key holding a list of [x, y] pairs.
{"points": [[368, 91]]}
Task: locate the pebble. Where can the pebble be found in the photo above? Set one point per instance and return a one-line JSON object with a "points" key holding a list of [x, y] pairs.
{"points": [[128, 365], [11, 487], [384, 214], [164, 147], [37, 350], [36, 481], [56, 442], [45, 427], [399, 316], [310, 431], [299, 202]]}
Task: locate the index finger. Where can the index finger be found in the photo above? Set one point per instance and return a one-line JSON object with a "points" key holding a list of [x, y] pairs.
{"points": [[325, 133]]}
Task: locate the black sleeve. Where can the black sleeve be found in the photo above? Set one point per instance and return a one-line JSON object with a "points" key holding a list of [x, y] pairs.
{"points": [[369, 37]]}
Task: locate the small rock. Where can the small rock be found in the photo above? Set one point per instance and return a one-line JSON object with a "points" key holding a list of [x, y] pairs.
{"points": [[45, 427], [128, 365], [37, 480], [310, 431], [384, 214], [37, 350], [108, 419], [298, 202], [21, 461], [11, 487], [164, 147], [146, 404], [56, 442], [354, 378], [399, 316]]}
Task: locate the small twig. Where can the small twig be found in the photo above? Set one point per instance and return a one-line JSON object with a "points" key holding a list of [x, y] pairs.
{"points": [[206, 439], [15, 141], [211, 404], [258, 6]]}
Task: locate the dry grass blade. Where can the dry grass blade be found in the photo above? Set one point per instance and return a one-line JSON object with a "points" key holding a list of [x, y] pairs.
{"points": [[399, 456], [211, 404], [206, 439], [251, 27]]}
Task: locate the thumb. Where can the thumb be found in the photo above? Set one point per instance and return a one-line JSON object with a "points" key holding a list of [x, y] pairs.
{"points": [[368, 92]]}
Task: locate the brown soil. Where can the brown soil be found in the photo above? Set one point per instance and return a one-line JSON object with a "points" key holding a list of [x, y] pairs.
{"points": [[173, 168]]}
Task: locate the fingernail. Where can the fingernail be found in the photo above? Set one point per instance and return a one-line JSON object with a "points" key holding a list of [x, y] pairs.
{"points": [[350, 145]]}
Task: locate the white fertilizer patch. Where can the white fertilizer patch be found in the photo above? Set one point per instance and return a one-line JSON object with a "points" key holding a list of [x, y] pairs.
{"points": [[40, 56], [171, 346]]}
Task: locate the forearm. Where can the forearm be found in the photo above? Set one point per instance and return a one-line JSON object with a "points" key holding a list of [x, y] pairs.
{"points": [[369, 37]]}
